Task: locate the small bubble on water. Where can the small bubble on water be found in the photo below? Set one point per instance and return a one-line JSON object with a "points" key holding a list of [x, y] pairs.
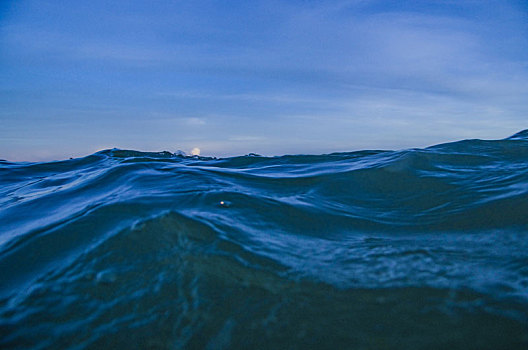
{"points": [[224, 204]]}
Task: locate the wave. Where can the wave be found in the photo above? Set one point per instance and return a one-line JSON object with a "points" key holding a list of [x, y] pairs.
{"points": [[339, 250]]}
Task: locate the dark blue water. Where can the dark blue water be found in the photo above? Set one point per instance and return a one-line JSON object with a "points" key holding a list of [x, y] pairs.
{"points": [[413, 249]]}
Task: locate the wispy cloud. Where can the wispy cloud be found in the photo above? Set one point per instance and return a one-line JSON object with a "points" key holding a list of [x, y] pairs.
{"points": [[195, 121]]}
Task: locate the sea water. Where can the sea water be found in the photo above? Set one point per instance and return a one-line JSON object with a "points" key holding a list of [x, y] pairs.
{"points": [[411, 249]]}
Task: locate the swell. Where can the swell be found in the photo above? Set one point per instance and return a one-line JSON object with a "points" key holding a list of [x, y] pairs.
{"points": [[177, 278], [252, 240], [465, 186]]}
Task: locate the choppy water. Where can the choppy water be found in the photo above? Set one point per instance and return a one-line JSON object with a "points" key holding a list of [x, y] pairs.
{"points": [[413, 249]]}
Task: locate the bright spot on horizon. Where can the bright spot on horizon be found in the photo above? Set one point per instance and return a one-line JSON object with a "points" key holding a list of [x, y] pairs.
{"points": [[195, 151]]}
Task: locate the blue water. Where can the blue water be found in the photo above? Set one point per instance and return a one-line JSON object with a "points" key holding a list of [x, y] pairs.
{"points": [[412, 249]]}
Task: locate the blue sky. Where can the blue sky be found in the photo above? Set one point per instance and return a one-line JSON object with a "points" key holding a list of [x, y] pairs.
{"points": [[270, 77]]}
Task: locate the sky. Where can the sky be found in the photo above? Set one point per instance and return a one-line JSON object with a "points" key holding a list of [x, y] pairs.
{"points": [[269, 77]]}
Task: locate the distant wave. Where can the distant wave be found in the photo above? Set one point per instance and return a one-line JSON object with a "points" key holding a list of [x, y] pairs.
{"points": [[419, 248]]}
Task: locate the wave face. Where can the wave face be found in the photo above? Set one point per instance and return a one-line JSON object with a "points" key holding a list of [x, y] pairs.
{"points": [[413, 249]]}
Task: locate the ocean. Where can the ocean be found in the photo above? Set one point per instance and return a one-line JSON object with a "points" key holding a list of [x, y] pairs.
{"points": [[409, 249]]}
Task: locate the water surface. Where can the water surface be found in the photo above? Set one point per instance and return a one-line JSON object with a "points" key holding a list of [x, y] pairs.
{"points": [[412, 249]]}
